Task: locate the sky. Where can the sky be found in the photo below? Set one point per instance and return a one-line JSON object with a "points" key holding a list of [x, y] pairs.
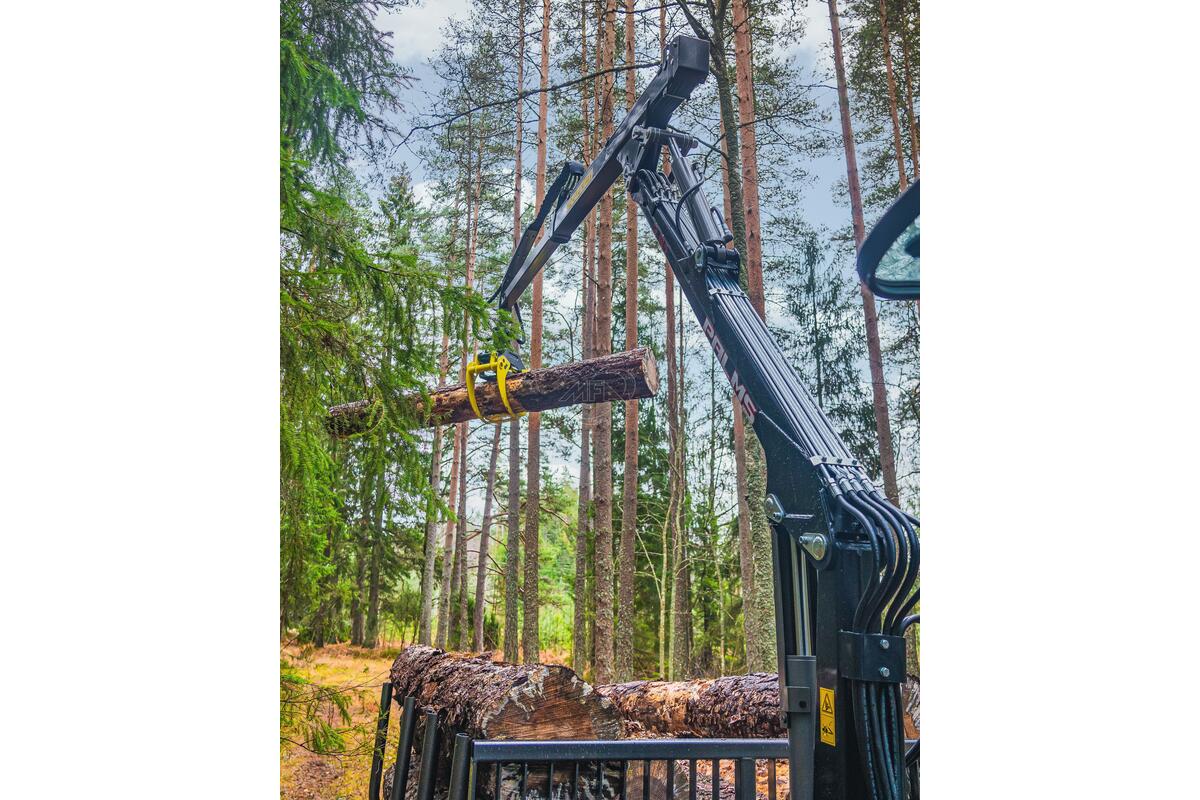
{"points": [[417, 35]]}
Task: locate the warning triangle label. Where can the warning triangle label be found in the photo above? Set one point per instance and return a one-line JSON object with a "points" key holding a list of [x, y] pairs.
{"points": [[827, 704]]}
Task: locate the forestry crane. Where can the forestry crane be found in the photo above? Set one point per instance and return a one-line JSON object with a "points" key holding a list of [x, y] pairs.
{"points": [[845, 559]]}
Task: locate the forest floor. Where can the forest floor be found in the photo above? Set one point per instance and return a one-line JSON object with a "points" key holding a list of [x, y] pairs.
{"points": [[358, 672]]}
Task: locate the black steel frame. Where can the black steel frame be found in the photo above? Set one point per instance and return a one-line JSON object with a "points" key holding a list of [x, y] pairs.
{"points": [[564, 764]]}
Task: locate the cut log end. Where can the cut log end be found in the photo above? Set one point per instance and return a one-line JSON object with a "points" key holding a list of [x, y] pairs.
{"points": [[495, 700]]}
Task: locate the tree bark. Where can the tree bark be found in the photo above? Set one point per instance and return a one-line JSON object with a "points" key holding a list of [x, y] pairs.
{"points": [[485, 539], [606, 378], [512, 586], [629, 487], [495, 700], [744, 70], [579, 660], [371, 632], [443, 617], [459, 631], [736, 706], [530, 647], [883, 427], [430, 550], [891, 85], [914, 136], [512, 549], [602, 480], [673, 537]]}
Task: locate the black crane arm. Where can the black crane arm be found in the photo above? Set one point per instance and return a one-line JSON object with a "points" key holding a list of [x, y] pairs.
{"points": [[845, 558]]}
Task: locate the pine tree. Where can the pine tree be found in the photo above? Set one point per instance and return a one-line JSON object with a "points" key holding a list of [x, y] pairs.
{"points": [[629, 490]]}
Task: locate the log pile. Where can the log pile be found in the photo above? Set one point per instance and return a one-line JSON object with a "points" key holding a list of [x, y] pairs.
{"points": [[621, 376], [493, 700]]}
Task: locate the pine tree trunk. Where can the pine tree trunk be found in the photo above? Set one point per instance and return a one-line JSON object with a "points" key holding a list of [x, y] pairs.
{"points": [[430, 548], [891, 84], [629, 488], [512, 550], [673, 537], [914, 137], [512, 555], [579, 660], [688, 665], [883, 427], [425, 629], [371, 632], [443, 620], [460, 550], [485, 539], [356, 612], [752, 261], [602, 481], [530, 646], [459, 630]]}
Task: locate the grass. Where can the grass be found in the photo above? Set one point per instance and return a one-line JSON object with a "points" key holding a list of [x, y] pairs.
{"points": [[356, 673]]}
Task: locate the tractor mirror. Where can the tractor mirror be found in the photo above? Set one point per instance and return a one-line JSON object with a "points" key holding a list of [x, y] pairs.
{"points": [[889, 261]]}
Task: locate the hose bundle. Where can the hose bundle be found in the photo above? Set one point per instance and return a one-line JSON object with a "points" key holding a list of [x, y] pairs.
{"points": [[895, 553]]}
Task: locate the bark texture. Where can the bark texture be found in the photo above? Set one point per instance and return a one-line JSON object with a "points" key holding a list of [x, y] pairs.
{"points": [[602, 413], [530, 646], [485, 540], [488, 699], [617, 376], [736, 706], [512, 551], [495, 700], [629, 487]]}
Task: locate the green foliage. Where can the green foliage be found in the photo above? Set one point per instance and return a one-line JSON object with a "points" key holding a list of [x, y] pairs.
{"points": [[309, 713]]}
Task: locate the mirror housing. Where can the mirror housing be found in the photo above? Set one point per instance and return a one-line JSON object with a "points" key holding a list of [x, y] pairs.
{"points": [[889, 261]]}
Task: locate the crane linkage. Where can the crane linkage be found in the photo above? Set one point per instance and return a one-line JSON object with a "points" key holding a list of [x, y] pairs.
{"points": [[845, 559]]}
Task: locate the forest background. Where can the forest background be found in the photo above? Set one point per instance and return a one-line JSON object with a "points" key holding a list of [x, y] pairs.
{"points": [[625, 540]]}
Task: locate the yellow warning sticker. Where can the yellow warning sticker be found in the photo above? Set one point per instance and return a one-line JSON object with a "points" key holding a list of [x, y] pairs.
{"points": [[828, 727]]}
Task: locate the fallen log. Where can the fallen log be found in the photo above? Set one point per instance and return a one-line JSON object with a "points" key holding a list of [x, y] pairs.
{"points": [[735, 706], [489, 699], [630, 375]]}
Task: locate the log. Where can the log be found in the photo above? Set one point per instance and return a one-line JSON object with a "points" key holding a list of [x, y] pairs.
{"points": [[735, 706], [489, 699], [630, 375]]}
